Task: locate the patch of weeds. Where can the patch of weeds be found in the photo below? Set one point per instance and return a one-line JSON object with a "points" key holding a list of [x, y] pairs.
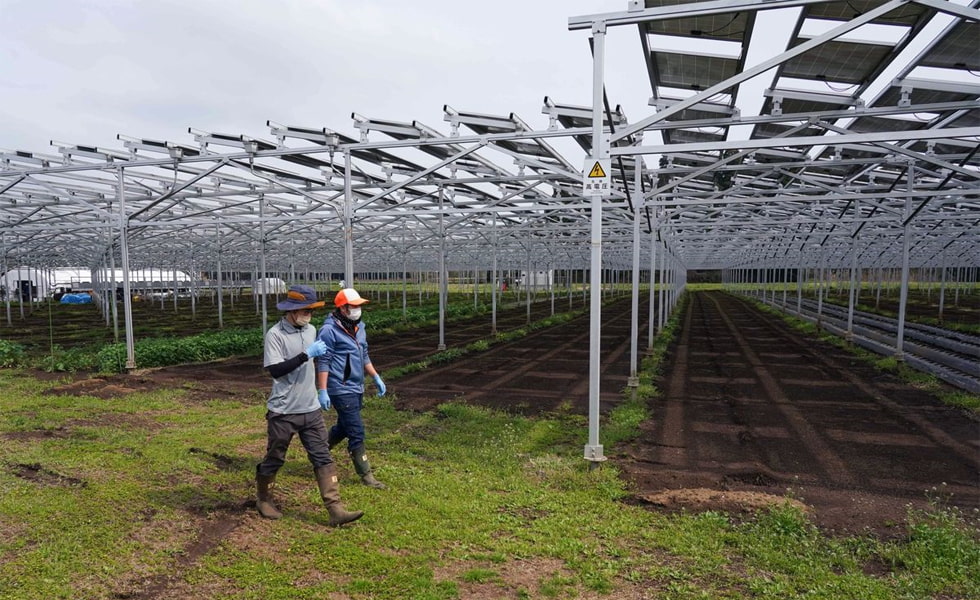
{"points": [[556, 586], [11, 354], [887, 363], [406, 369], [480, 576], [548, 435], [941, 554], [963, 400], [478, 346], [448, 355], [70, 360]]}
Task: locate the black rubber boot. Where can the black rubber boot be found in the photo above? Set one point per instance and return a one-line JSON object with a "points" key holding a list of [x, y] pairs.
{"points": [[326, 480], [359, 457], [334, 438]]}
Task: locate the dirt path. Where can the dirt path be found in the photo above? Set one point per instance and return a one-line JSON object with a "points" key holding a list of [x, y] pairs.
{"points": [[752, 408]]}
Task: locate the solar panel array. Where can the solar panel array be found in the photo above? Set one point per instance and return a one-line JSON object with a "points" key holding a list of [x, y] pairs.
{"points": [[856, 142]]}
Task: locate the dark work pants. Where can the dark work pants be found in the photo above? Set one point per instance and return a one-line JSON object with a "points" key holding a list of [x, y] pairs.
{"points": [[281, 428], [349, 425]]}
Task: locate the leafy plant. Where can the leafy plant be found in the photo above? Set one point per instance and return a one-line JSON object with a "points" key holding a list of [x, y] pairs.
{"points": [[11, 354], [158, 352]]}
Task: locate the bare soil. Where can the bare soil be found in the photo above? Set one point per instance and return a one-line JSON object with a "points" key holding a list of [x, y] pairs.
{"points": [[751, 406]]}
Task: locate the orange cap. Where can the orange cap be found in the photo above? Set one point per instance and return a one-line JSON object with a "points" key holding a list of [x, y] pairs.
{"points": [[348, 296]]}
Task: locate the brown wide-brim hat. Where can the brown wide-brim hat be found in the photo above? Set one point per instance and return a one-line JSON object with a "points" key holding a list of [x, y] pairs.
{"points": [[300, 297]]}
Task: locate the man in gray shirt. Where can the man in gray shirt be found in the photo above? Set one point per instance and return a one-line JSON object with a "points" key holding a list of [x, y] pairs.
{"points": [[293, 407]]}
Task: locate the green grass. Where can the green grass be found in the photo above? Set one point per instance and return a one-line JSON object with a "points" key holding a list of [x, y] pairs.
{"points": [[120, 490]]}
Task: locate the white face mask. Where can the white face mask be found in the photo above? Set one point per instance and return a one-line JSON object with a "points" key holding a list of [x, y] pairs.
{"points": [[354, 313], [301, 320]]}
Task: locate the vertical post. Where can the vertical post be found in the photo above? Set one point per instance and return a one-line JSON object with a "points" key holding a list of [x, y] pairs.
{"points": [[855, 280], [820, 277], [942, 286], [593, 450], [764, 282], [661, 296], [348, 224], [262, 278], [634, 381], [528, 278], [800, 274], [785, 284], [442, 275], [9, 292], [906, 246], [221, 292], [111, 297], [404, 272], [193, 286], [495, 279], [653, 285], [550, 273], [958, 273], [124, 254]]}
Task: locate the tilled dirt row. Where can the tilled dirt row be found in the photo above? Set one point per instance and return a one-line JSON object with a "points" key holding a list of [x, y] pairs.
{"points": [[542, 372], [751, 408], [243, 376]]}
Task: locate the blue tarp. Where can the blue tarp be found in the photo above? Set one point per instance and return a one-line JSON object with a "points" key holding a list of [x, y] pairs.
{"points": [[76, 299]]}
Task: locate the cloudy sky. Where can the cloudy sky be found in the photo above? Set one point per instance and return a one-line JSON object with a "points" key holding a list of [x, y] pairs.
{"points": [[82, 71]]}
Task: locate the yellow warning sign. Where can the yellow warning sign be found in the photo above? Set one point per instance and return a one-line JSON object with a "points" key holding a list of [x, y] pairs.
{"points": [[595, 177]]}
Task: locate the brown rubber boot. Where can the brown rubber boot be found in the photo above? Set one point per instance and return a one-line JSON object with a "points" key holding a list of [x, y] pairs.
{"points": [[326, 479], [264, 502], [363, 468]]}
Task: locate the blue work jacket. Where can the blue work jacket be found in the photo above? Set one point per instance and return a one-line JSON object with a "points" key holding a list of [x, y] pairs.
{"points": [[347, 353]]}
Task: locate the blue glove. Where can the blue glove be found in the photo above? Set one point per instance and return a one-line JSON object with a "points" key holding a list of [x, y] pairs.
{"points": [[380, 385], [317, 348], [324, 399]]}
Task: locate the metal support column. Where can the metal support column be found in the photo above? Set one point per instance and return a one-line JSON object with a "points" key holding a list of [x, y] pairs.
{"points": [[124, 254], [348, 224], [221, 291], [653, 286], [263, 281], [495, 279], [634, 381], [600, 150], [855, 280], [942, 286], [906, 247], [442, 274]]}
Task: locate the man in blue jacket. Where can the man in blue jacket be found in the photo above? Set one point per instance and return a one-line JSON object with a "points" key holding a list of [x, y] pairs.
{"points": [[292, 408], [340, 378]]}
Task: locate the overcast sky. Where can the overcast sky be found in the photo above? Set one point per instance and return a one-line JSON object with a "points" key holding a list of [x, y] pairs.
{"points": [[82, 71]]}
